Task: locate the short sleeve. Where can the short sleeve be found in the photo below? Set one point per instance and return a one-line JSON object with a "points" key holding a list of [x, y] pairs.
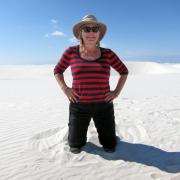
{"points": [[117, 64], [63, 63]]}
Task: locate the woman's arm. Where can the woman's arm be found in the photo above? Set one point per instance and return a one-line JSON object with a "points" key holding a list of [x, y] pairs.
{"points": [[113, 94], [60, 79], [69, 92]]}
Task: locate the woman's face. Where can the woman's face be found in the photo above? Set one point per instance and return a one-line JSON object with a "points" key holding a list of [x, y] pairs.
{"points": [[90, 34]]}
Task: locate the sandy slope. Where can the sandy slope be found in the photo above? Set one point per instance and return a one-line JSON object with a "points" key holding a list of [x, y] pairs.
{"points": [[33, 131]]}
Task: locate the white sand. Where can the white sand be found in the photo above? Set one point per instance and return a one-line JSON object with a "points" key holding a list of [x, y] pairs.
{"points": [[34, 117]]}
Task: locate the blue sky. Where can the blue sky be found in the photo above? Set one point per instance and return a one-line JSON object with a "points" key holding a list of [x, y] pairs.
{"points": [[38, 31]]}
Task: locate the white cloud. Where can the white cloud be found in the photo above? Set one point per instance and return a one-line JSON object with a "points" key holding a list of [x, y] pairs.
{"points": [[54, 21], [55, 33], [73, 40], [103, 44]]}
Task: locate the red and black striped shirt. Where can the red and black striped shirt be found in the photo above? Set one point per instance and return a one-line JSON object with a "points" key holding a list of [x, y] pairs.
{"points": [[90, 78]]}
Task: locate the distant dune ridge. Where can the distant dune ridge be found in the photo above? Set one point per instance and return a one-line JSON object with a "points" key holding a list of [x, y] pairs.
{"points": [[152, 68], [32, 71], [34, 131]]}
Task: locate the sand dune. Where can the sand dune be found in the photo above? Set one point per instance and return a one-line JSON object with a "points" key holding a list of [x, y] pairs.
{"points": [[152, 68], [36, 71], [34, 117]]}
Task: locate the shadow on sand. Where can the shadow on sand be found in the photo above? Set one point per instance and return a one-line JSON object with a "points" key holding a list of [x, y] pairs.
{"points": [[139, 153]]}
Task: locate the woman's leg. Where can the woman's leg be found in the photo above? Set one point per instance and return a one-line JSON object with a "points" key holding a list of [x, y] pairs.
{"points": [[79, 119], [105, 123]]}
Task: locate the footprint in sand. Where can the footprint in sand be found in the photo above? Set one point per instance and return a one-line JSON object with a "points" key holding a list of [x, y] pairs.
{"points": [[155, 176], [173, 112], [49, 143], [133, 133], [155, 113]]}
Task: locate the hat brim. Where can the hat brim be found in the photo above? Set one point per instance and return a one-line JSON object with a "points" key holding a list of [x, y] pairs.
{"points": [[77, 27]]}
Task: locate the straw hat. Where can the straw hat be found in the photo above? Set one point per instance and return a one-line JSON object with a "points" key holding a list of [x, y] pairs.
{"points": [[86, 20]]}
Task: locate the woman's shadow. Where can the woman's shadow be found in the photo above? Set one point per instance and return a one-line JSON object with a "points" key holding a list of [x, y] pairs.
{"points": [[139, 153]]}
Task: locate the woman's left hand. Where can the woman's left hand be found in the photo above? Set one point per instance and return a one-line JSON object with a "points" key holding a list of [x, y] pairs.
{"points": [[110, 96]]}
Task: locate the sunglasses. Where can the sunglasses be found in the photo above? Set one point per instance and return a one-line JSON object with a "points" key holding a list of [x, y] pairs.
{"points": [[88, 29]]}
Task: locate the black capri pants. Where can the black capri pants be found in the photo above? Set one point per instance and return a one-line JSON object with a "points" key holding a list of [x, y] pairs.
{"points": [[80, 115]]}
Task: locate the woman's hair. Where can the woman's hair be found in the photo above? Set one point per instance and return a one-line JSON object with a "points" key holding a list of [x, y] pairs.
{"points": [[82, 47]]}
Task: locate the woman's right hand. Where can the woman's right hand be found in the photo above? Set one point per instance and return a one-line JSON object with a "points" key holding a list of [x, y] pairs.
{"points": [[71, 94]]}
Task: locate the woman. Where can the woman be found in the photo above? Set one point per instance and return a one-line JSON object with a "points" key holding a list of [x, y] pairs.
{"points": [[90, 95]]}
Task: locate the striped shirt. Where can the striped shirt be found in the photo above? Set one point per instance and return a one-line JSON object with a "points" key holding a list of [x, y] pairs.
{"points": [[90, 78]]}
